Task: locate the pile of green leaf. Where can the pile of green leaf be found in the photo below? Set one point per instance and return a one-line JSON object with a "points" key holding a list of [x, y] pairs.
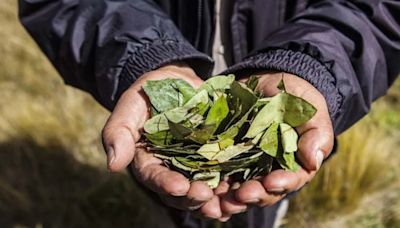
{"points": [[223, 129]]}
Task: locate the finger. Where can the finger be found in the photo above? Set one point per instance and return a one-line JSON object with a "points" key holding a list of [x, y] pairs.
{"points": [[253, 192], [198, 194], [314, 145], [211, 209], [150, 171], [228, 203], [281, 181], [121, 131], [316, 140]]}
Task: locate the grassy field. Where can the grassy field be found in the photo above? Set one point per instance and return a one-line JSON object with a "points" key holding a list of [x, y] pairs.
{"points": [[52, 166]]}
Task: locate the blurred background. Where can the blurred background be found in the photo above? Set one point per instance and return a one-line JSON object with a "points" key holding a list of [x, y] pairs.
{"points": [[53, 171]]}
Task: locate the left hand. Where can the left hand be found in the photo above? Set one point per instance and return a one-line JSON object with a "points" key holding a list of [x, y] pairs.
{"points": [[316, 140]]}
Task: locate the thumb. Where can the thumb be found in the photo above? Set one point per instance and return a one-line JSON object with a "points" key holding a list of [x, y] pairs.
{"points": [[314, 145], [121, 131], [316, 140]]}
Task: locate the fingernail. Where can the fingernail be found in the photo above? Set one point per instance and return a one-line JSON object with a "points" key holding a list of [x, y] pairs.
{"points": [[110, 156], [319, 158], [242, 211], [253, 201], [276, 190], [235, 186], [224, 219]]}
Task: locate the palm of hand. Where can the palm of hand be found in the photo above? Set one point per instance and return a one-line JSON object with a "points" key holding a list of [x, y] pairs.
{"points": [[122, 132]]}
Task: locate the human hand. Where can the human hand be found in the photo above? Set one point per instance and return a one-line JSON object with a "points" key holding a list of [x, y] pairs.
{"points": [[315, 143], [123, 130]]}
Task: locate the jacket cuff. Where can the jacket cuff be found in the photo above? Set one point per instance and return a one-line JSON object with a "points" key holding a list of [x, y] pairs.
{"points": [[157, 54], [297, 63]]}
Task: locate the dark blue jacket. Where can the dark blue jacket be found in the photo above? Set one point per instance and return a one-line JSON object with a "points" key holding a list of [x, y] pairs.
{"points": [[349, 50]]}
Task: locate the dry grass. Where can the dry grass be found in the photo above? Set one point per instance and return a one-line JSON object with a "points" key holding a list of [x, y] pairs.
{"points": [[385, 212], [52, 171], [35, 102]]}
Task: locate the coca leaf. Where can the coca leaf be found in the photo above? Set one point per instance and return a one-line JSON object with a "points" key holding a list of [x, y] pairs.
{"points": [[167, 94], [211, 178], [289, 138], [209, 150], [217, 83], [269, 141], [244, 94], [217, 113]]}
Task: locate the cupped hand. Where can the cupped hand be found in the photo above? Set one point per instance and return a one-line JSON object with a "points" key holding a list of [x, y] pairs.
{"points": [[316, 140], [123, 130]]}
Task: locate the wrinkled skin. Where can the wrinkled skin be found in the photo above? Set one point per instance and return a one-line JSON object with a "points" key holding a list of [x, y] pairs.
{"points": [[125, 126]]}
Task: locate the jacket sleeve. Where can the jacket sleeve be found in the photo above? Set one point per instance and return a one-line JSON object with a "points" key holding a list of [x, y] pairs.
{"points": [[103, 46], [348, 50]]}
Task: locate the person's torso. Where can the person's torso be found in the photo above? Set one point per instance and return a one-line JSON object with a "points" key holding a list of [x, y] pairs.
{"points": [[248, 22]]}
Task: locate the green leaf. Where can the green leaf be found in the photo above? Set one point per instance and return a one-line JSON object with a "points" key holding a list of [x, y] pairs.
{"points": [[180, 114], [283, 107], [177, 115], [200, 98], [235, 111], [264, 166], [163, 157], [288, 161], [201, 136], [240, 163], [269, 141], [178, 131], [153, 111], [297, 110], [289, 138], [272, 112], [209, 150], [217, 113], [231, 151], [185, 89], [156, 124], [202, 108], [262, 101], [171, 151], [163, 95], [160, 138], [181, 166], [211, 178], [160, 122], [234, 150], [193, 120], [234, 171], [233, 130], [225, 143], [199, 165], [245, 95], [217, 83], [217, 94], [252, 82]]}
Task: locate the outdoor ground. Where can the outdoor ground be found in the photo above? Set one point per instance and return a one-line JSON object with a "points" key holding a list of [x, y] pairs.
{"points": [[53, 173]]}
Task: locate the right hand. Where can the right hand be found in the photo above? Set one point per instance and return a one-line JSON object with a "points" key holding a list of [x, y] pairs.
{"points": [[123, 130]]}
